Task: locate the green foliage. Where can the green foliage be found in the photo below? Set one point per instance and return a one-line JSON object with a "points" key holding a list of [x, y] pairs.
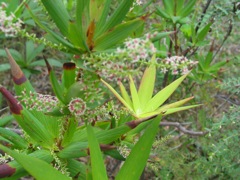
{"points": [[27, 61], [72, 131], [88, 31], [65, 135]]}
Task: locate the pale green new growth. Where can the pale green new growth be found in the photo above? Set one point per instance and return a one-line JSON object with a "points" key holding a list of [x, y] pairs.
{"points": [[142, 104]]}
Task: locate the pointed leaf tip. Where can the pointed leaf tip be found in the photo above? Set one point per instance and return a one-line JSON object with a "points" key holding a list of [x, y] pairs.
{"points": [[18, 76], [15, 107], [6, 170]]}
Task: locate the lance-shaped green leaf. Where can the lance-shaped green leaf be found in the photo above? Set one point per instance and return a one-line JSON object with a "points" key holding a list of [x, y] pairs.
{"points": [[51, 123], [209, 57], [58, 13], [169, 6], [5, 120], [69, 74], [54, 35], [125, 94], [35, 129], [97, 164], [175, 104], [162, 13], [180, 6], [32, 164], [117, 17], [74, 150], [161, 35], [136, 161], [57, 87], [21, 83], [203, 32], [76, 36], [168, 111], [117, 34], [163, 95], [16, 139], [96, 8], [135, 98], [115, 154], [104, 16], [174, 110], [82, 17], [106, 137], [13, 170], [146, 87], [128, 106], [111, 135], [187, 9]]}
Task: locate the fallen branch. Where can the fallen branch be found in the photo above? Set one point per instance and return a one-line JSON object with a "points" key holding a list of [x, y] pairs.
{"points": [[182, 128]]}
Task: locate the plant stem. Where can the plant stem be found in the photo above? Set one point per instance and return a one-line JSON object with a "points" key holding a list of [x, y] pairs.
{"points": [[203, 13]]}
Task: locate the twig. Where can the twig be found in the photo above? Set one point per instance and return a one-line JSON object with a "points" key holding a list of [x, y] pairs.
{"points": [[203, 13], [230, 27], [227, 99], [3, 109], [183, 129]]}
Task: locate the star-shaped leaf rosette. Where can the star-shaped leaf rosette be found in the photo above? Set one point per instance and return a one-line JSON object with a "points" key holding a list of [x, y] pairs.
{"points": [[142, 103]]}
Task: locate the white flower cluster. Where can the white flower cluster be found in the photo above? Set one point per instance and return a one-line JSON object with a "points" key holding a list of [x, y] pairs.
{"points": [[177, 65], [5, 159], [137, 49], [77, 106], [124, 150], [9, 24], [110, 69], [39, 102]]}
